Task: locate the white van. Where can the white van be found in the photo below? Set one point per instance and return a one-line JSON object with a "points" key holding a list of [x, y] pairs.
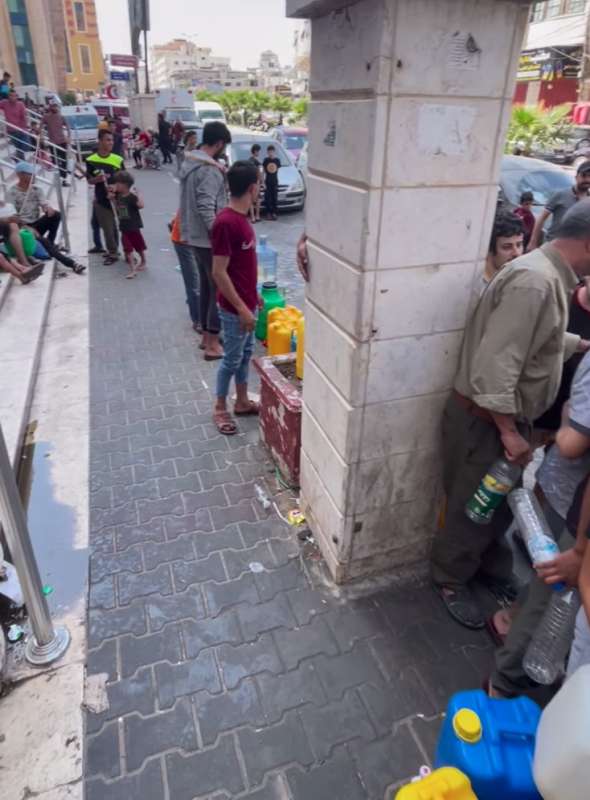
{"points": [[208, 112], [83, 122]]}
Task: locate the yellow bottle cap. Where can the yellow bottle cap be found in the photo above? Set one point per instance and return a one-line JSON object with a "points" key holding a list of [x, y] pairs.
{"points": [[467, 725]]}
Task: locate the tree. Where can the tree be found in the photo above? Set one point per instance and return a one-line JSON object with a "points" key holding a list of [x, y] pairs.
{"points": [[537, 128], [301, 108], [68, 98]]}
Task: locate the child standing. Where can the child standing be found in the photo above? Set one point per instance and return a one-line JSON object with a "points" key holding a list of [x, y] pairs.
{"points": [[525, 213], [233, 245], [255, 161], [128, 204], [271, 165]]}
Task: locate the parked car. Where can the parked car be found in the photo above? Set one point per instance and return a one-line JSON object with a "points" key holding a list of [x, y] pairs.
{"points": [[292, 139], [302, 160], [291, 184], [519, 174]]}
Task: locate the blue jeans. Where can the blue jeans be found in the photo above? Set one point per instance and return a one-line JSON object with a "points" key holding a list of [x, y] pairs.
{"points": [[190, 275], [238, 346]]}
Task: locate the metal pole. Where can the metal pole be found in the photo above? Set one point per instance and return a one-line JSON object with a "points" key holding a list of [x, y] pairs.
{"points": [[62, 211], [145, 49], [47, 643]]}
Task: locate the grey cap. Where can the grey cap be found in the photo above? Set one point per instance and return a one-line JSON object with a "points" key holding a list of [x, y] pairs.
{"points": [[583, 168], [576, 221]]}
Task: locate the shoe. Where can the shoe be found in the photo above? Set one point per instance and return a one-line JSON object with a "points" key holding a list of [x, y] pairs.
{"points": [[65, 184], [79, 268], [462, 606], [97, 250], [109, 260]]}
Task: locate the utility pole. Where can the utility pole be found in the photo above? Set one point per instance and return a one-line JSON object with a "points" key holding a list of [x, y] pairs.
{"points": [[584, 93], [145, 45]]}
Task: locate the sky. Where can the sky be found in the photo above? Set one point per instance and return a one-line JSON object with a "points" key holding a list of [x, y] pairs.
{"points": [[240, 29]]}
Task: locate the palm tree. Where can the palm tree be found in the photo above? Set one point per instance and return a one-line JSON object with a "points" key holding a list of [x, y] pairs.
{"points": [[537, 128]]}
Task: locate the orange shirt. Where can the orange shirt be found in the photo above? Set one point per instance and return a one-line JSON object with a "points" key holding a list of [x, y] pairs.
{"points": [[175, 234]]}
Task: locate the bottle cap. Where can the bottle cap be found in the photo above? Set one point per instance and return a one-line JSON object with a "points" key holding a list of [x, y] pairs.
{"points": [[269, 285], [467, 725]]}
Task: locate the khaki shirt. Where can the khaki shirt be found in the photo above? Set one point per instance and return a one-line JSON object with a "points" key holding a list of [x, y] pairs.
{"points": [[516, 342]]}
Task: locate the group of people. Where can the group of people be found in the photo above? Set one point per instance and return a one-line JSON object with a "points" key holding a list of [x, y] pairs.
{"points": [[28, 137], [32, 213], [523, 382], [216, 248]]}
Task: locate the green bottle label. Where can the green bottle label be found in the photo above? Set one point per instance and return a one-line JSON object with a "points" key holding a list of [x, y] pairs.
{"points": [[487, 498]]}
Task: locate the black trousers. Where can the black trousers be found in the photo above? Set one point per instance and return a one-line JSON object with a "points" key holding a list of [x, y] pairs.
{"points": [[165, 148], [271, 197], [47, 228]]}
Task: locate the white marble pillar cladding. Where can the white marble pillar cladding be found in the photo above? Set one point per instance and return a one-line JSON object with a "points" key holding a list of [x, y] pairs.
{"points": [[410, 104]]}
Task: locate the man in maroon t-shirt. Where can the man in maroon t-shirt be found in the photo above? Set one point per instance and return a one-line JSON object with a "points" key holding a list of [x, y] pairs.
{"points": [[235, 270]]}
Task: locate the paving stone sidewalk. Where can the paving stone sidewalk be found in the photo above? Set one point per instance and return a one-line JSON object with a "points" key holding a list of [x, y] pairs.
{"points": [[225, 681]]}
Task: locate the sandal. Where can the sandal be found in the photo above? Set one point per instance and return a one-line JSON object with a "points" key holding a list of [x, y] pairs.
{"points": [[224, 423], [78, 268], [110, 260], [462, 606], [212, 358], [253, 411]]}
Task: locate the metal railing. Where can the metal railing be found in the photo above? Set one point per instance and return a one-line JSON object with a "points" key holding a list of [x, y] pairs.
{"points": [[47, 643]]}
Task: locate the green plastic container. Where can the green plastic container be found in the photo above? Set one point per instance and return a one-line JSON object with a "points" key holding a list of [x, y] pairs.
{"points": [[271, 298], [29, 243]]}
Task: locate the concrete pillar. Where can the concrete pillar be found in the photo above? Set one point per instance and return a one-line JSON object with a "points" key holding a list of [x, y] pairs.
{"points": [[410, 104]]}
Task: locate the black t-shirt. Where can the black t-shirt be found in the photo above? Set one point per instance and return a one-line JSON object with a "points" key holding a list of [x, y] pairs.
{"points": [[108, 165], [255, 161], [128, 212], [579, 322], [271, 169]]}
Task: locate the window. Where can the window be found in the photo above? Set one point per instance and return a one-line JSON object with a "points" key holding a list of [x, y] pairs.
{"points": [[574, 6], [21, 35], [85, 61], [553, 9], [80, 16], [538, 11], [68, 56]]}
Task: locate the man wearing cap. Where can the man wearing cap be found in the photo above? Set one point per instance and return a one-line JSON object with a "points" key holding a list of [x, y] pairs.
{"points": [[509, 373], [558, 204], [58, 133], [34, 212]]}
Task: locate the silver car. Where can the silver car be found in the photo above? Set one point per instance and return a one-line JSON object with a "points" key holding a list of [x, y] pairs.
{"points": [[519, 174], [291, 185]]}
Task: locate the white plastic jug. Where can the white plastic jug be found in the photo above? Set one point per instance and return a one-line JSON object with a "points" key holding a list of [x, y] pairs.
{"points": [[562, 752]]}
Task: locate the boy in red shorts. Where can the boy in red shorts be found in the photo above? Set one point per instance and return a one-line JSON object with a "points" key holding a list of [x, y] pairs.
{"points": [[128, 204]]}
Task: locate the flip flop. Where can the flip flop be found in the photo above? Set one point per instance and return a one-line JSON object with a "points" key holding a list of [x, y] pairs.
{"points": [[212, 358], [253, 411], [224, 423]]}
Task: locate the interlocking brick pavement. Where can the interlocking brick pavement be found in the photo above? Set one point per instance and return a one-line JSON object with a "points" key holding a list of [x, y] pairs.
{"points": [[223, 682]]}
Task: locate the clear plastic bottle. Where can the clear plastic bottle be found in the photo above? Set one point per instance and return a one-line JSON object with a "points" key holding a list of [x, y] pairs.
{"points": [[544, 660], [494, 486], [268, 259], [534, 528]]}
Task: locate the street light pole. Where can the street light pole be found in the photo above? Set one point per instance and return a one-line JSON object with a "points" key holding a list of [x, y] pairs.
{"points": [[47, 643], [145, 46]]}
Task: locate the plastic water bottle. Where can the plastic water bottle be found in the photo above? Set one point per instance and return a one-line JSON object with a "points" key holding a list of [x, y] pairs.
{"points": [[534, 528], [268, 259], [494, 486], [544, 660]]}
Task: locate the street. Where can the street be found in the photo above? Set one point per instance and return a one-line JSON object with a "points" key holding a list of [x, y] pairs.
{"points": [[229, 673]]}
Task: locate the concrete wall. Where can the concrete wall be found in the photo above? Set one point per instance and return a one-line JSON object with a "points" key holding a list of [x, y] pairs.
{"points": [[410, 103]]}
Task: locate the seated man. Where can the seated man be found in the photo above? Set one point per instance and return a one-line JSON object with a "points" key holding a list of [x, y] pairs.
{"points": [[34, 212]]}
